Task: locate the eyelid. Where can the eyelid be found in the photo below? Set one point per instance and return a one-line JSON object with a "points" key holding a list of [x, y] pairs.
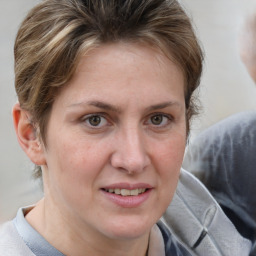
{"points": [[164, 115], [101, 115]]}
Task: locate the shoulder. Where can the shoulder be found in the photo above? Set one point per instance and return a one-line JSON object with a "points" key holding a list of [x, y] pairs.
{"points": [[242, 124], [227, 146], [198, 222], [11, 244], [172, 245]]}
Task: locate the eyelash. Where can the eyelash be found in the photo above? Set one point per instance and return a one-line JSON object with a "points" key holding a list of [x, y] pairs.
{"points": [[102, 116], [87, 118], [169, 119]]}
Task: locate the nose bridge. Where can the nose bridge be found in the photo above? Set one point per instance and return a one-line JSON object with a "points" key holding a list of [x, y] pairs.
{"points": [[134, 143], [131, 154]]}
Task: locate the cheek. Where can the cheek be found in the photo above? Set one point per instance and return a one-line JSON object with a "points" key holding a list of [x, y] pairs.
{"points": [[168, 160], [77, 162], [72, 172], [167, 163], [170, 153]]}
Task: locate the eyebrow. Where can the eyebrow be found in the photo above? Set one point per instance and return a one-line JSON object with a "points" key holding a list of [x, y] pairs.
{"points": [[110, 107], [163, 105], [98, 104]]}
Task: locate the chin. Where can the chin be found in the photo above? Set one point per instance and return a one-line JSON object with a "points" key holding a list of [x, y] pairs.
{"points": [[130, 229]]}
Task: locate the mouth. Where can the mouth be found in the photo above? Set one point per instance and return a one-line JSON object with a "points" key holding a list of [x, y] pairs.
{"points": [[126, 192], [128, 195]]}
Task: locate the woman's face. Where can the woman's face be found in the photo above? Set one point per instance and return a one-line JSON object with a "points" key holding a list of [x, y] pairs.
{"points": [[118, 127]]}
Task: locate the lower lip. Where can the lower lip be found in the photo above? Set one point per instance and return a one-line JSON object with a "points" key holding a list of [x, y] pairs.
{"points": [[128, 201]]}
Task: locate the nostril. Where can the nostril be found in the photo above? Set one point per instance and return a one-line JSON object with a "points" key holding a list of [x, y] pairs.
{"points": [[128, 163]]}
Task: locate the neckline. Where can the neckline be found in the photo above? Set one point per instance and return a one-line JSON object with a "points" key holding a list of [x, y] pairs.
{"points": [[35, 242]]}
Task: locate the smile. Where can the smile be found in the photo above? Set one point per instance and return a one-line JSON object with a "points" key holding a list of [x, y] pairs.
{"points": [[126, 192], [128, 195]]}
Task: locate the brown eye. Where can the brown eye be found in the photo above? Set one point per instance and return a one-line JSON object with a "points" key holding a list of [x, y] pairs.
{"points": [[157, 119], [94, 120]]}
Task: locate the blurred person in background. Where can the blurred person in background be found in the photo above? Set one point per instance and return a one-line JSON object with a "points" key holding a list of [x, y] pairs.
{"points": [[247, 45], [223, 156]]}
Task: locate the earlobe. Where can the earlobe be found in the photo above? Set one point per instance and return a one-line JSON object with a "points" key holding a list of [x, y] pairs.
{"points": [[27, 135]]}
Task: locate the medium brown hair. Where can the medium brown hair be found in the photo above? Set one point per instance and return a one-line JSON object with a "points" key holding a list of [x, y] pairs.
{"points": [[56, 33]]}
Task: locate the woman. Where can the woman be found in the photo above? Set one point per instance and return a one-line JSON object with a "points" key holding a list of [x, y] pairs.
{"points": [[104, 91]]}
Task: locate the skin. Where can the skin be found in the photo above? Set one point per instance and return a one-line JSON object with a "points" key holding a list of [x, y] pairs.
{"points": [[137, 135], [247, 48], [249, 63]]}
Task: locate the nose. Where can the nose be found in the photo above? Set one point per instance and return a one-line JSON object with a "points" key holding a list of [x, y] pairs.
{"points": [[130, 153]]}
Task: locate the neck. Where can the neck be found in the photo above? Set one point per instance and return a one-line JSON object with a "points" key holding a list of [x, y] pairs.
{"points": [[73, 239]]}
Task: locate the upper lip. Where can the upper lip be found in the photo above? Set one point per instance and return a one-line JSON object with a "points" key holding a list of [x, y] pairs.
{"points": [[128, 186]]}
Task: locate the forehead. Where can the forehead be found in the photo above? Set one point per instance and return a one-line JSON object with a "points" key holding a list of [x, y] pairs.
{"points": [[116, 68], [128, 51]]}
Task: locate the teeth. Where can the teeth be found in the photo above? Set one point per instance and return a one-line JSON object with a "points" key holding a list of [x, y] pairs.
{"points": [[126, 192], [134, 192], [117, 191]]}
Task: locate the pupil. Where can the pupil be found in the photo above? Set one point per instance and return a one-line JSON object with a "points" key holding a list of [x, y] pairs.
{"points": [[157, 119], [94, 120]]}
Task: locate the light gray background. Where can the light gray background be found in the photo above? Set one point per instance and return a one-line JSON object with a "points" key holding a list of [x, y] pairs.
{"points": [[226, 86]]}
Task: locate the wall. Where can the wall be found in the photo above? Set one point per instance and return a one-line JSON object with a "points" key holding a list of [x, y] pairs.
{"points": [[226, 87]]}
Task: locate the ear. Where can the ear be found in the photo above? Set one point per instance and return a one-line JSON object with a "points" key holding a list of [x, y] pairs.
{"points": [[27, 135]]}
